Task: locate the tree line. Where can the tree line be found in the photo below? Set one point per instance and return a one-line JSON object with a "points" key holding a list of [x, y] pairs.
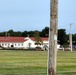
{"points": [[43, 33], [63, 38]]}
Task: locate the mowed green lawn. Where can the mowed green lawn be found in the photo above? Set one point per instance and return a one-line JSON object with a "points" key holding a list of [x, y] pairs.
{"points": [[14, 62], [66, 63]]}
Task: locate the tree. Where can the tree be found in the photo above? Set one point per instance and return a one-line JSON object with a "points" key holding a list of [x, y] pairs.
{"points": [[45, 32], [30, 33], [2, 33], [24, 33], [62, 37], [18, 33], [38, 40], [10, 33], [74, 39]]}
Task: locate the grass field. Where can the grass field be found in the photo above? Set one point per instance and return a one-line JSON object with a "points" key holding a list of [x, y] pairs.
{"points": [[66, 63], [35, 62]]}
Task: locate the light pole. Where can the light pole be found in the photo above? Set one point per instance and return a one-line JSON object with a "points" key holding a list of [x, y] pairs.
{"points": [[52, 53], [71, 36]]}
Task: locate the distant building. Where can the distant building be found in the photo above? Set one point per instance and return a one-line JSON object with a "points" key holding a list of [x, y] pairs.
{"points": [[22, 42]]}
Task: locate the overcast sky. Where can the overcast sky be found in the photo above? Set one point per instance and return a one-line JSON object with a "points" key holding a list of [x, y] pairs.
{"points": [[21, 15]]}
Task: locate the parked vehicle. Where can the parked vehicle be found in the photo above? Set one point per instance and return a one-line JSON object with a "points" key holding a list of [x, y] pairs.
{"points": [[38, 47]]}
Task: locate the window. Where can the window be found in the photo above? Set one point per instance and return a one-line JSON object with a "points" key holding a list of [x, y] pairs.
{"points": [[18, 44], [22, 44], [2, 44], [15, 44]]}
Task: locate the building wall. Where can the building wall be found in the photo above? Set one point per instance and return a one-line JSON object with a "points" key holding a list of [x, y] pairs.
{"points": [[12, 45], [28, 43]]}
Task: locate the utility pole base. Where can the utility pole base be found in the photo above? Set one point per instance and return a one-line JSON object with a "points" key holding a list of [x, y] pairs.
{"points": [[51, 71]]}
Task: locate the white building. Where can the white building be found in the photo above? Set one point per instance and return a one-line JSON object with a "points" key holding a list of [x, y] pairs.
{"points": [[22, 42]]}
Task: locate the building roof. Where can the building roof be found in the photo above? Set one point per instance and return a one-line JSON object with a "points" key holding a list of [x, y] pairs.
{"points": [[18, 39]]}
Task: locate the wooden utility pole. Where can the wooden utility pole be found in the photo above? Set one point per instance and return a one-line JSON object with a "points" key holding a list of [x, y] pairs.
{"points": [[52, 54], [71, 36]]}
